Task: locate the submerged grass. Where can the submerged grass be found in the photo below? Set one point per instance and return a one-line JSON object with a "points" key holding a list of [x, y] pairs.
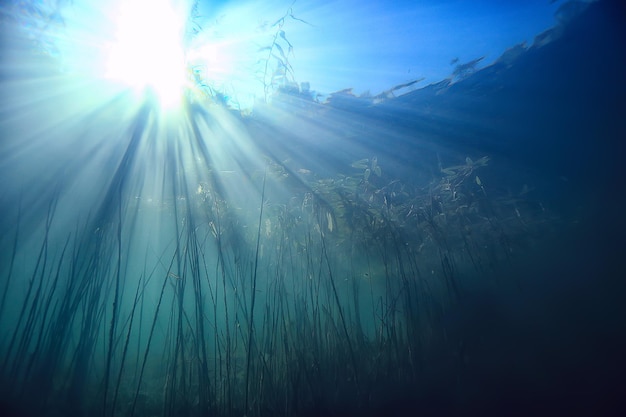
{"points": [[334, 301]]}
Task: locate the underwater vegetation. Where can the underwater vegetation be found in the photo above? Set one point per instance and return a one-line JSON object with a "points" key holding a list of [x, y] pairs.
{"points": [[342, 295], [328, 299]]}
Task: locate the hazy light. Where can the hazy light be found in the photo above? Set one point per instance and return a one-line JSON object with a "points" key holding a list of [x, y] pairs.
{"points": [[148, 49]]}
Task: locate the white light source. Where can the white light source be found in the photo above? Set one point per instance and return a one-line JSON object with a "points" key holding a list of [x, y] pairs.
{"points": [[148, 49]]}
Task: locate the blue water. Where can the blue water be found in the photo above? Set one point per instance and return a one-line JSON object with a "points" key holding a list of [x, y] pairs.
{"points": [[456, 250]]}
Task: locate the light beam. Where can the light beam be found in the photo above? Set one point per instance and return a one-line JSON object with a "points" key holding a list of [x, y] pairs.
{"points": [[148, 49]]}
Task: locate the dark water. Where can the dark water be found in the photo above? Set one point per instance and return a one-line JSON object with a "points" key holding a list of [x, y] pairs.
{"points": [[458, 250]]}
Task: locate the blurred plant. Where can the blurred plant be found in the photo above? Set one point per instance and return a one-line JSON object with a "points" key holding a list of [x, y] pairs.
{"points": [[368, 166], [277, 71]]}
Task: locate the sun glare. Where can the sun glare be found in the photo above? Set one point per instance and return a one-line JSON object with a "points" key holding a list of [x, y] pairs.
{"points": [[148, 49]]}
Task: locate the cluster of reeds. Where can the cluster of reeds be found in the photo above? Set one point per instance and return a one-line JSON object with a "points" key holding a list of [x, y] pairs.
{"points": [[330, 297]]}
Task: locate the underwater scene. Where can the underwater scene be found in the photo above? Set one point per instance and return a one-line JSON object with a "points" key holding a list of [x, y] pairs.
{"points": [[331, 208]]}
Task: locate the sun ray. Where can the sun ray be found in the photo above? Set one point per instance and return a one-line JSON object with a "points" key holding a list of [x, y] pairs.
{"points": [[148, 49]]}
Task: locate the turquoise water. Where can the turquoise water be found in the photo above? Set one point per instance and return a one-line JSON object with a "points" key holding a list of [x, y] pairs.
{"points": [[455, 250]]}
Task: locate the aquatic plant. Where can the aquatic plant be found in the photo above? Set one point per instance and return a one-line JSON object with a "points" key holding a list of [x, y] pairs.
{"points": [[277, 72], [342, 285]]}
